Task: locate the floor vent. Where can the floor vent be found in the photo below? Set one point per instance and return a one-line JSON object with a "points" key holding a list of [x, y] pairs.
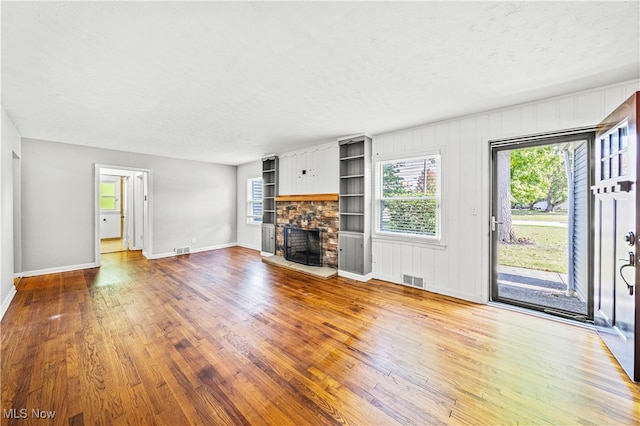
{"points": [[417, 282], [182, 250]]}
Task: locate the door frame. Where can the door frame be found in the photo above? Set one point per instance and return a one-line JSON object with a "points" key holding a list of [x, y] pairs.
{"points": [[496, 145], [147, 211]]}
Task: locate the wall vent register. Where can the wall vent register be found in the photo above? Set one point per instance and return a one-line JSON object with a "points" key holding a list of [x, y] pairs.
{"points": [[412, 281]]}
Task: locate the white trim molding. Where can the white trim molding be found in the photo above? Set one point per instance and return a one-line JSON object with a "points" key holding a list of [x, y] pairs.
{"points": [[357, 277], [192, 251], [58, 269], [249, 246], [7, 302]]}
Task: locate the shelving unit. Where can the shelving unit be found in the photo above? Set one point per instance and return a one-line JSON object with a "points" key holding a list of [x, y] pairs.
{"points": [[269, 194], [354, 240]]}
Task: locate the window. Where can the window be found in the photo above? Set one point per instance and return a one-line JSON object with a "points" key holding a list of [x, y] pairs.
{"points": [[109, 195], [408, 197], [614, 153], [254, 200]]}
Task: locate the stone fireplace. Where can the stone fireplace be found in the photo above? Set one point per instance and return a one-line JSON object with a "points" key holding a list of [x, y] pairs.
{"points": [[310, 212]]}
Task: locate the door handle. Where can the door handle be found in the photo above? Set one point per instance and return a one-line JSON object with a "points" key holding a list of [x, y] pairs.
{"points": [[631, 262], [494, 222]]}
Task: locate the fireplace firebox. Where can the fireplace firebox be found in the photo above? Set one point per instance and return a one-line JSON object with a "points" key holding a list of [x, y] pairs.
{"points": [[303, 245]]}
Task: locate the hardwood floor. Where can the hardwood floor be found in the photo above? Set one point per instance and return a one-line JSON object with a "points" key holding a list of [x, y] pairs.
{"points": [[222, 338], [111, 245]]}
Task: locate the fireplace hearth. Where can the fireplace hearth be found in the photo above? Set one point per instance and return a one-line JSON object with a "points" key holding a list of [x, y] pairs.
{"points": [[303, 245]]}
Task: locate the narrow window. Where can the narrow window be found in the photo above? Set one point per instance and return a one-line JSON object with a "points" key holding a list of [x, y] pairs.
{"points": [[254, 200]]}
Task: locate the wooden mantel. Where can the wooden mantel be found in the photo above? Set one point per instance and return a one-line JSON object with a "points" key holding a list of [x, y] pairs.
{"points": [[308, 197]]}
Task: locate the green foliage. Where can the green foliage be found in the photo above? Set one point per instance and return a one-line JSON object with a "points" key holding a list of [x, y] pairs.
{"points": [[410, 190], [392, 181], [412, 216], [538, 174]]}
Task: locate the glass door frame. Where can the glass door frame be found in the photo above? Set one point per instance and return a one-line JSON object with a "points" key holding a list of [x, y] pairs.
{"points": [[498, 145]]}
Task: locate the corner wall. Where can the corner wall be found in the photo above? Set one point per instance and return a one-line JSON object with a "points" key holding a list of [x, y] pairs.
{"points": [[10, 152], [189, 200]]}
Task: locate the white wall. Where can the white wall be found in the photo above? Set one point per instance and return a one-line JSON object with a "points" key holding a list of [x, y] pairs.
{"points": [[461, 268], [321, 164], [10, 148], [189, 199], [249, 235]]}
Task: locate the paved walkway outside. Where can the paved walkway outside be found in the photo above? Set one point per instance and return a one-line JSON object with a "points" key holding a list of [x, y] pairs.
{"points": [[539, 287]]}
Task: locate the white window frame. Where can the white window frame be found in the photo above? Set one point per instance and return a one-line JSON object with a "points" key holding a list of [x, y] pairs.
{"points": [[431, 240], [251, 218]]}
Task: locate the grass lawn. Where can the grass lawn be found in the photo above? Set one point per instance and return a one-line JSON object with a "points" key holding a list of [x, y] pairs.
{"points": [[545, 248], [517, 214]]}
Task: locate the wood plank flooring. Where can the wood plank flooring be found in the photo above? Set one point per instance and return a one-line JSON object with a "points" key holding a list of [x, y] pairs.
{"points": [[223, 338]]}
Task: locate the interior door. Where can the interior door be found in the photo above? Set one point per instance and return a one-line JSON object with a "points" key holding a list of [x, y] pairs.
{"points": [[110, 215], [616, 227]]}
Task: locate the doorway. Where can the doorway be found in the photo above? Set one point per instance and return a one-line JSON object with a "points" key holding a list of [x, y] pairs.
{"points": [[113, 212], [122, 209], [541, 211]]}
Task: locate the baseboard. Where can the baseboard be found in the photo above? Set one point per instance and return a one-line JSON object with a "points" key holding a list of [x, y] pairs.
{"points": [[435, 289], [198, 250], [218, 247], [160, 255], [58, 269], [457, 295], [247, 246], [266, 254], [357, 277], [7, 302]]}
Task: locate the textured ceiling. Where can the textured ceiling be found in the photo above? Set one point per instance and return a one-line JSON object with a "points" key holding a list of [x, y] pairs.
{"points": [[229, 82]]}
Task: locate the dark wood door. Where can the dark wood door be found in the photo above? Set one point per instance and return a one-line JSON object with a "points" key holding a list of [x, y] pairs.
{"points": [[616, 229]]}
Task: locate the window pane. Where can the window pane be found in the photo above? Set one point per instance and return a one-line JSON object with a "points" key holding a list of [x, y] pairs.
{"points": [[623, 137], [107, 189], [256, 189], [418, 217], [408, 193], [414, 178], [107, 203], [257, 209], [254, 194]]}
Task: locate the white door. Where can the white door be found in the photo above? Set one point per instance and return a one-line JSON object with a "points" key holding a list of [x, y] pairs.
{"points": [[110, 213]]}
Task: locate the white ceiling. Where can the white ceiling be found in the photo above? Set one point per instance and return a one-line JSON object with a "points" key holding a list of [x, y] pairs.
{"points": [[229, 82]]}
